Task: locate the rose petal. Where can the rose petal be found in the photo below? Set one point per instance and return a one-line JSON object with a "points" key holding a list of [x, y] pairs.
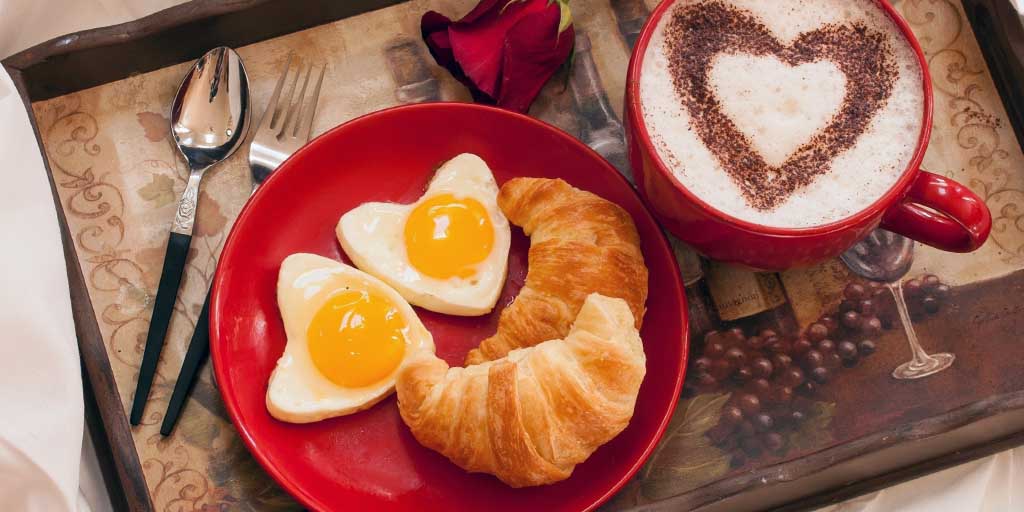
{"points": [[534, 50], [433, 21], [499, 61], [478, 40], [434, 27], [483, 8]]}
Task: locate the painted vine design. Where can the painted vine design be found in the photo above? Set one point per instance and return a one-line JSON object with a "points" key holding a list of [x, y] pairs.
{"points": [[978, 130], [96, 211]]}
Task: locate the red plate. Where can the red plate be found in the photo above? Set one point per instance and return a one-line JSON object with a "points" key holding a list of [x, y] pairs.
{"points": [[369, 460]]}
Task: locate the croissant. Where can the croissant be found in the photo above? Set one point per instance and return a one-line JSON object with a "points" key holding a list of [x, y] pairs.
{"points": [[529, 418], [579, 244]]}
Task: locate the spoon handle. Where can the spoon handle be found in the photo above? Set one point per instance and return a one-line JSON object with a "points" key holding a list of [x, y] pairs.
{"points": [[166, 293]]}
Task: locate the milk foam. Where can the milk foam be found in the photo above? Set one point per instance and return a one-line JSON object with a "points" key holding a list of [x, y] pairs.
{"points": [[780, 107]]}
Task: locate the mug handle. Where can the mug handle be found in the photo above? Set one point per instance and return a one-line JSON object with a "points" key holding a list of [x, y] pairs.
{"points": [[942, 213]]}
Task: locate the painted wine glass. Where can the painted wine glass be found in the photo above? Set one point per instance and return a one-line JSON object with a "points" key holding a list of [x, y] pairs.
{"points": [[886, 257]]}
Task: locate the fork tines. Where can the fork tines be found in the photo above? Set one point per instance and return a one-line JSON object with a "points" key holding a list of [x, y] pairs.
{"points": [[291, 115], [287, 122]]}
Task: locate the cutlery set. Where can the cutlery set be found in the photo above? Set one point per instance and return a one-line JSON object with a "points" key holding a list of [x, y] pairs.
{"points": [[210, 118]]}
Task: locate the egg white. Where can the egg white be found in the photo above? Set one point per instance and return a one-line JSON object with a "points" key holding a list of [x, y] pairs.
{"points": [[373, 237], [297, 391]]}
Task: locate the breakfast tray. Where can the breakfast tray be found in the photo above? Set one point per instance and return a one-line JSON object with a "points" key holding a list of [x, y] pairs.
{"points": [[99, 102]]}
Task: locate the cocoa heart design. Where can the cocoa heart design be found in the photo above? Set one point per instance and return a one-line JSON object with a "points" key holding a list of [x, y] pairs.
{"points": [[702, 31]]}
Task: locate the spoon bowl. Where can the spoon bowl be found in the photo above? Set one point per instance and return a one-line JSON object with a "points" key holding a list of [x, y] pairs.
{"points": [[210, 112]]}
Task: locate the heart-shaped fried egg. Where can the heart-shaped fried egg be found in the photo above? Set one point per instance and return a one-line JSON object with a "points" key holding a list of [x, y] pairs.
{"points": [[446, 252]]}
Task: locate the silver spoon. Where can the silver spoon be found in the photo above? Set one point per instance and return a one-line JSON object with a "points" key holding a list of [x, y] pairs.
{"points": [[209, 121], [886, 257]]}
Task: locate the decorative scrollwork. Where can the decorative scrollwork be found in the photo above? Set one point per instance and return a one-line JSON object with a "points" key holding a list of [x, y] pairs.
{"points": [[95, 208], [964, 82], [173, 482], [935, 13], [72, 151], [121, 277]]}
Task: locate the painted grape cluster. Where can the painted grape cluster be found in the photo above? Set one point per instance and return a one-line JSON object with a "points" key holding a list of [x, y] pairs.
{"points": [[773, 380]]}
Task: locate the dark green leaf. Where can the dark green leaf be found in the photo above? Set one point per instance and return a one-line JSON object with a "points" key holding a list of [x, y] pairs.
{"points": [[815, 433], [685, 459]]}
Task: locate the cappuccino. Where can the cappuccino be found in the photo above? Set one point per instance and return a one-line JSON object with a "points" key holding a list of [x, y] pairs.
{"points": [[789, 113]]}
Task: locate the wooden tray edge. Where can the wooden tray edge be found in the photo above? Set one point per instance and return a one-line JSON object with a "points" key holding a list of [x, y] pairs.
{"points": [[941, 429], [997, 20], [177, 34], [116, 447]]}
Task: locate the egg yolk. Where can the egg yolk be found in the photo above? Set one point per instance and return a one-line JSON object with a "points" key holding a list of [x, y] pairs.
{"points": [[356, 338], [446, 237]]}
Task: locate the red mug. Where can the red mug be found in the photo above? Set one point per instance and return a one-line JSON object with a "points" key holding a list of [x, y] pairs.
{"points": [[923, 206]]}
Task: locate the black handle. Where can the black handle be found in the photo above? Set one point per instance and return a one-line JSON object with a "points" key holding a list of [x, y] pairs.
{"points": [[166, 293], [198, 348]]}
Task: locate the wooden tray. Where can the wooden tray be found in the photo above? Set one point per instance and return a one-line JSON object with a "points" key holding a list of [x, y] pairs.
{"points": [[98, 100]]}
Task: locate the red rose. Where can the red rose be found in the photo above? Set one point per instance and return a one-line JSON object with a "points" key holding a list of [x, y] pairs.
{"points": [[503, 50]]}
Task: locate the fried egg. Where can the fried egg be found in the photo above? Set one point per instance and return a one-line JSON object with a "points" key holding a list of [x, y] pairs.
{"points": [[446, 252], [347, 335]]}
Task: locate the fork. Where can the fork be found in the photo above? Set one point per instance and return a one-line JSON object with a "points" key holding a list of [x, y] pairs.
{"points": [[285, 127]]}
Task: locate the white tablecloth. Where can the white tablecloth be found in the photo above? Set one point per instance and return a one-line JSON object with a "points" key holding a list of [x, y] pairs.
{"points": [[44, 465]]}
